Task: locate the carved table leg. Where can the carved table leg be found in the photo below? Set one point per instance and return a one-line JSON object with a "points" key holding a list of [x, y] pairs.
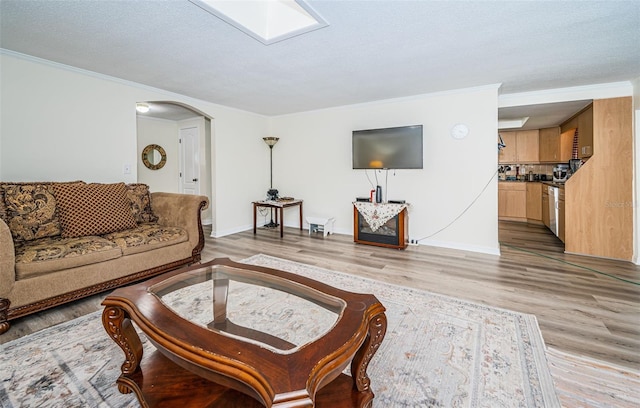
{"points": [[4, 309], [360, 362], [118, 325]]}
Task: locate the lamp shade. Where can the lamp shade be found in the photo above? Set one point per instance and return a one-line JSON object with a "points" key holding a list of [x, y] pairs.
{"points": [[271, 141]]}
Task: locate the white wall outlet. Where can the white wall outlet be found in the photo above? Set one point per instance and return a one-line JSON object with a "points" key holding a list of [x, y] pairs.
{"points": [[126, 168]]}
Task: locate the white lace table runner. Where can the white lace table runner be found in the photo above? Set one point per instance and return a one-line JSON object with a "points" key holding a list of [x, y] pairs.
{"points": [[376, 215]]}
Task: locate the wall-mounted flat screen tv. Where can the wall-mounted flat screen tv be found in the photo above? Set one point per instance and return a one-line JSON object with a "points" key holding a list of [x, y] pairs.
{"points": [[390, 148]]}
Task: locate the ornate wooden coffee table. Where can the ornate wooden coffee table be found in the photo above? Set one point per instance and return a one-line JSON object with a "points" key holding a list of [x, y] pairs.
{"points": [[237, 335]]}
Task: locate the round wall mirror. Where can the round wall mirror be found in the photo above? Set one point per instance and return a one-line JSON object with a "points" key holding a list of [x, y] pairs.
{"points": [[154, 157]]}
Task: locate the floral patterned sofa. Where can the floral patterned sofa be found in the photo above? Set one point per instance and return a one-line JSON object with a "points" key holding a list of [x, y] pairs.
{"points": [[61, 241]]}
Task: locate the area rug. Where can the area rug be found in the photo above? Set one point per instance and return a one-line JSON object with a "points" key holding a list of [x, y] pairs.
{"points": [[438, 352]]}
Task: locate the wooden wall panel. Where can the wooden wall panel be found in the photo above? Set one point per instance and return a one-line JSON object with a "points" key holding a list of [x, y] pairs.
{"points": [[599, 197]]}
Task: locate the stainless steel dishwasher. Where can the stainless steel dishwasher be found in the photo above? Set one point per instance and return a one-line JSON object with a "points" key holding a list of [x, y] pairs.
{"points": [[554, 193]]}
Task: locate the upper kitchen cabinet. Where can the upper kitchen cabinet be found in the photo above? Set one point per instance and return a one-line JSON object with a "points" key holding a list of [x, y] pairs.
{"points": [[585, 133], [555, 147], [508, 153], [550, 145], [583, 121], [520, 147]]}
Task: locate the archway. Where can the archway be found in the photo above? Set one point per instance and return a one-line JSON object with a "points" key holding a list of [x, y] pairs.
{"points": [[161, 125]]}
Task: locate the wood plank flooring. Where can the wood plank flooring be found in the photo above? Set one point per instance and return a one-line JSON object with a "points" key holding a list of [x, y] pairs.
{"points": [[584, 305]]}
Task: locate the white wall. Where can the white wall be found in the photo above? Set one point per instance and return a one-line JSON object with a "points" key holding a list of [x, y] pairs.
{"points": [[62, 123], [163, 133], [312, 161], [58, 125]]}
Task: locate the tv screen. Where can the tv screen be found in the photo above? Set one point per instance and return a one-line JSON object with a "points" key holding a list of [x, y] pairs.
{"points": [[390, 148]]}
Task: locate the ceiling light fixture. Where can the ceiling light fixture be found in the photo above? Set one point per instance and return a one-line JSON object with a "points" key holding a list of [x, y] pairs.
{"points": [[268, 21], [142, 107]]}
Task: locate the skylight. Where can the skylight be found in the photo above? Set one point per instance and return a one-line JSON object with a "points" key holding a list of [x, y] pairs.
{"points": [[268, 21], [512, 123]]}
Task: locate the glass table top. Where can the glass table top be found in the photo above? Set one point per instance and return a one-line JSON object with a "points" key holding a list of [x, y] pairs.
{"points": [[269, 311]]}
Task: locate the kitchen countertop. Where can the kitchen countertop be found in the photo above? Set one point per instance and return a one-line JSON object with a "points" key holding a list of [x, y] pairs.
{"points": [[547, 182]]}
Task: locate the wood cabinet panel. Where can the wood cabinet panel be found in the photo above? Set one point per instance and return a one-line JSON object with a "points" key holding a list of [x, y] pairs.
{"points": [[508, 154], [512, 201], [534, 201], [520, 147], [545, 208], [599, 197], [561, 220], [585, 133], [527, 145], [569, 124], [584, 122], [566, 145], [550, 145]]}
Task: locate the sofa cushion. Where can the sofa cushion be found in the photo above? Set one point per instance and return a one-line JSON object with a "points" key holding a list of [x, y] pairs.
{"points": [[93, 209], [38, 257], [147, 237], [140, 199], [30, 210]]}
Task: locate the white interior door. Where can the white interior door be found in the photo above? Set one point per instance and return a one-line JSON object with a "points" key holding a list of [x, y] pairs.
{"points": [[190, 160]]}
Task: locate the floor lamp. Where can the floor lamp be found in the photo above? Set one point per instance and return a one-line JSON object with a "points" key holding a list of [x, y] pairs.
{"points": [[272, 194]]}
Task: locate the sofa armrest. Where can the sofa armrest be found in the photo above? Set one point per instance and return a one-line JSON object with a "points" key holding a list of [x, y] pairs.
{"points": [[182, 210], [7, 260]]}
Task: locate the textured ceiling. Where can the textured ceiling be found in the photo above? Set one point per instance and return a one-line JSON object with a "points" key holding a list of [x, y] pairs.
{"points": [[371, 50]]}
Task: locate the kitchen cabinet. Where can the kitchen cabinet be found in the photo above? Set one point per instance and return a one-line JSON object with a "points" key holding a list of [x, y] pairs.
{"points": [[561, 216], [507, 154], [585, 133], [520, 147], [566, 145], [545, 207], [550, 145], [554, 146], [534, 201], [512, 201], [583, 121]]}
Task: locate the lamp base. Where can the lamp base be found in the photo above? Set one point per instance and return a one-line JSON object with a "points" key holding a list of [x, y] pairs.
{"points": [[272, 225]]}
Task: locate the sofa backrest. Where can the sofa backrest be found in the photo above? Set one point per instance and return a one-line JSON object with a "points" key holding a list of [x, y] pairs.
{"points": [[30, 209]]}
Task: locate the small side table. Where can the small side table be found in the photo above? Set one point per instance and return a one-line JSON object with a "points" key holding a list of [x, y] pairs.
{"points": [[279, 206], [321, 224]]}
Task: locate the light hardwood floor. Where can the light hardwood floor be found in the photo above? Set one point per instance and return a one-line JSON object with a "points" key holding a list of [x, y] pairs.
{"points": [[581, 307]]}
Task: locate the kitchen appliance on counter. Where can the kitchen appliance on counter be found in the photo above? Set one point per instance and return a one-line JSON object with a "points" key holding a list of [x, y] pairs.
{"points": [[560, 173]]}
